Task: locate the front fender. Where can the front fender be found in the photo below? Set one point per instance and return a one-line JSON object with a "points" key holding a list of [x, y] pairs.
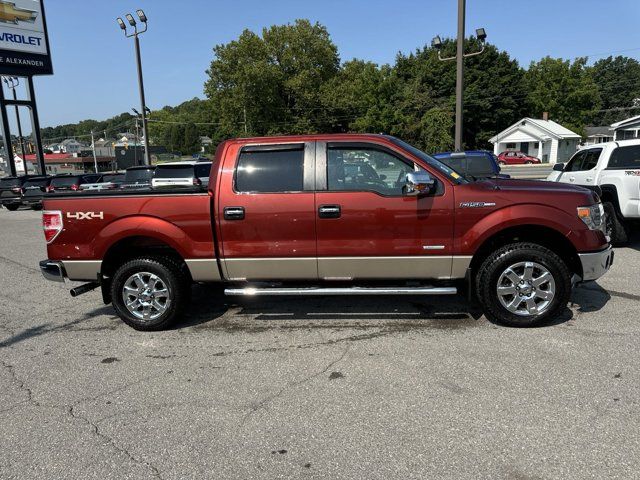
{"points": [[471, 238]]}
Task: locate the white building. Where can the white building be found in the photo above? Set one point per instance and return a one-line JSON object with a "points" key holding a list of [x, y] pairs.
{"points": [[594, 135], [545, 139], [627, 129]]}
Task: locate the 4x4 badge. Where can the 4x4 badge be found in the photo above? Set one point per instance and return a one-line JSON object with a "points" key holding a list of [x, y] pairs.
{"points": [[85, 215]]}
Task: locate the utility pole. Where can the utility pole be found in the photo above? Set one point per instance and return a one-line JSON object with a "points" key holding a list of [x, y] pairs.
{"points": [[244, 109], [459, 58], [460, 74], [93, 148], [136, 32]]}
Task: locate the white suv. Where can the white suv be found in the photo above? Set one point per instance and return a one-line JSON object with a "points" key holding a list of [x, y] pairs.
{"points": [[614, 167]]}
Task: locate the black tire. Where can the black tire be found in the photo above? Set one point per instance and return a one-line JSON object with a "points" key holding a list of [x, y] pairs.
{"points": [[615, 229], [12, 208], [172, 275], [495, 264], [36, 207]]}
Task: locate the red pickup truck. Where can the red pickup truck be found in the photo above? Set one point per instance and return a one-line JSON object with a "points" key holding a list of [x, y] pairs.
{"points": [[339, 214]]}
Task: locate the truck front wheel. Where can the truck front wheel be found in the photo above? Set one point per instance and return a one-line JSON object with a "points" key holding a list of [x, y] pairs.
{"points": [[149, 293], [523, 285], [615, 229]]}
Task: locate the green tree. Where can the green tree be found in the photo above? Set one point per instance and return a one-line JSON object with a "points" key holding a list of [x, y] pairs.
{"points": [[563, 88], [618, 81], [273, 81], [191, 143], [436, 125]]}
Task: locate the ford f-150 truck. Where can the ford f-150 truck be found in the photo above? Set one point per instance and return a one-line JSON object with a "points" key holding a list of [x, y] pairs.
{"points": [[343, 214]]}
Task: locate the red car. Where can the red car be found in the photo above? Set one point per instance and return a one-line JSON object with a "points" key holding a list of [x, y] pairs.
{"points": [[325, 215], [511, 157]]}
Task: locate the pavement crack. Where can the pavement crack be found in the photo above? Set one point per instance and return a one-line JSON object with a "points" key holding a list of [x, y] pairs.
{"points": [[110, 441], [21, 386], [269, 398]]}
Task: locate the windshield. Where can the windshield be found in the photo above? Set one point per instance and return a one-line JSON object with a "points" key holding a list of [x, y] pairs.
{"points": [[65, 181], [429, 160], [10, 182], [174, 171], [139, 174], [36, 182], [116, 177]]}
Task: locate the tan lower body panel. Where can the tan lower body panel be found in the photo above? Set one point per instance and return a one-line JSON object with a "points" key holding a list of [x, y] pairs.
{"points": [[441, 267], [239, 269], [437, 267], [82, 269], [204, 270]]}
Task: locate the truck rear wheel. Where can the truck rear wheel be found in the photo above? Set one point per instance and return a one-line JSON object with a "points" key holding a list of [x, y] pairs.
{"points": [[12, 207], [150, 293], [615, 229], [523, 285]]}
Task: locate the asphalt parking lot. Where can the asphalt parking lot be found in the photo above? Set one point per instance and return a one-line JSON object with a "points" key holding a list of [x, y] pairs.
{"points": [[373, 388]]}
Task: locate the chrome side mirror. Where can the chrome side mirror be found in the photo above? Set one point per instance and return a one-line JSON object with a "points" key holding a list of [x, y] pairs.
{"points": [[558, 167], [419, 183]]}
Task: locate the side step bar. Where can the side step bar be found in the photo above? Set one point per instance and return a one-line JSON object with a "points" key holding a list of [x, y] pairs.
{"points": [[252, 291]]}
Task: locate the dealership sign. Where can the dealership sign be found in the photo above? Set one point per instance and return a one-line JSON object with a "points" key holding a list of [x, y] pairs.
{"points": [[24, 45]]}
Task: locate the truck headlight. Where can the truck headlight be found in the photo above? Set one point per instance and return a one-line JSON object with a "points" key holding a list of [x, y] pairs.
{"points": [[592, 216]]}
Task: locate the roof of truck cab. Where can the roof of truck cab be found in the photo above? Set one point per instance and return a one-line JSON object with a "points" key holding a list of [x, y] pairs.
{"points": [[311, 137]]}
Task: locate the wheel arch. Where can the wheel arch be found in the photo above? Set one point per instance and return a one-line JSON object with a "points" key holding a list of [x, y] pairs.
{"points": [[531, 233]]}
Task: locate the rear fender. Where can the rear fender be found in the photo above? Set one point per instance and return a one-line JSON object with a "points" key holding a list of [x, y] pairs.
{"points": [[143, 226]]}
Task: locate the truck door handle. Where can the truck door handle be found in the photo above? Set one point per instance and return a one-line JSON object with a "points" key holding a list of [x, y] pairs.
{"points": [[589, 179], [572, 179], [234, 213], [329, 211]]}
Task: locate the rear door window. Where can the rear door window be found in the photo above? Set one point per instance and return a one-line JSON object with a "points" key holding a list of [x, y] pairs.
{"points": [[270, 171], [625, 158]]}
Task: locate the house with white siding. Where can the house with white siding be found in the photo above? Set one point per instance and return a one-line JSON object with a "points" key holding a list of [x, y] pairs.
{"points": [[545, 139], [627, 129]]}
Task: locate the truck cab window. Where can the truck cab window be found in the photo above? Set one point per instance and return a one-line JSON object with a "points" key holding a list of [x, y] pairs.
{"points": [[364, 169], [270, 171]]}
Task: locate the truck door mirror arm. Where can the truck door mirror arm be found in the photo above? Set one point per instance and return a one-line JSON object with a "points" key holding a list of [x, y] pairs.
{"points": [[418, 183], [559, 167]]}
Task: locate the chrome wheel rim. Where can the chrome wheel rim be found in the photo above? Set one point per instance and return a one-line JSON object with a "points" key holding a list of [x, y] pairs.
{"points": [[146, 296], [526, 288]]}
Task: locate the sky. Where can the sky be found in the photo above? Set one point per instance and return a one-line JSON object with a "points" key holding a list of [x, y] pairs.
{"points": [[94, 64]]}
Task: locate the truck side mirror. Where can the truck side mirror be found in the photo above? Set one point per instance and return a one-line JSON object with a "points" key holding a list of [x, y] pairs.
{"points": [[559, 167], [419, 183]]}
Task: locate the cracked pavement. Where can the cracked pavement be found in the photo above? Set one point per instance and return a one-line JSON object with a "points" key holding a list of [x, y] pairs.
{"points": [[333, 387]]}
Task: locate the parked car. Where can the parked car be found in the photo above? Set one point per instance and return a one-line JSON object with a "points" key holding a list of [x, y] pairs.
{"points": [[70, 182], [284, 217], [11, 191], [139, 177], [192, 174], [613, 169], [108, 181], [33, 191], [511, 157], [473, 164]]}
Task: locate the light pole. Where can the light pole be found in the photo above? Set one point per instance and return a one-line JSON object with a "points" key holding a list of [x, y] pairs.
{"points": [[459, 57], [12, 83], [136, 32]]}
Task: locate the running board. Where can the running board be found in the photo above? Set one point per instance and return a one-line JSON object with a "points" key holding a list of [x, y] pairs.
{"points": [[251, 291]]}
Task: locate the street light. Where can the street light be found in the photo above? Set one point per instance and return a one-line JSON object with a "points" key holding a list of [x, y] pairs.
{"points": [[134, 34], [459, 57], [12, 83]]}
